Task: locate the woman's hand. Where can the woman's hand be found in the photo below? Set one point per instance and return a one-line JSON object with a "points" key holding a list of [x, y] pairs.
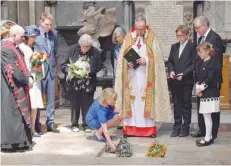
{"points": [[200, 94]]}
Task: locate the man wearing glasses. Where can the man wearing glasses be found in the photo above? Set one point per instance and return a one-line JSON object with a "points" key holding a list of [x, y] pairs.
{"points": [[201, 26]]}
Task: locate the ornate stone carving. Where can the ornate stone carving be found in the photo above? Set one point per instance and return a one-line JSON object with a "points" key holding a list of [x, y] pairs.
{"points": [[188, 14], [99, 22], [51, 3]]}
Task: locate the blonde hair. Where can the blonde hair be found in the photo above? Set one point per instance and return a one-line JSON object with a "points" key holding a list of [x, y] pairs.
{"points": [[206, 46], [44, 16], [107, 94], [183, 29]]}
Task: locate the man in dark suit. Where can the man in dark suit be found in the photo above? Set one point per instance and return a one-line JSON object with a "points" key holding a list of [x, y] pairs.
{"points": [[201, 26], [181, 64], [47, 42]]}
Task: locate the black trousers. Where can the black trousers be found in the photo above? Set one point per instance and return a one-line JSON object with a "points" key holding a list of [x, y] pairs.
{"points": [[182, 94], [80, 101], [201, 122]]}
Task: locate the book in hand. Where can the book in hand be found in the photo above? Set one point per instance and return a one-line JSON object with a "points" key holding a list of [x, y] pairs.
{"points": [[132, 56], [178, 75]]}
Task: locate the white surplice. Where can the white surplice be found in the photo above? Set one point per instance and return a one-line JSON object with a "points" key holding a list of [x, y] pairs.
{"points": [[137, 84]]}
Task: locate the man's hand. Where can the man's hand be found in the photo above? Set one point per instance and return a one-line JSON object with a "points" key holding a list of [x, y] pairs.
{"points": [[141, 61], [172, 75], [130, 65]]}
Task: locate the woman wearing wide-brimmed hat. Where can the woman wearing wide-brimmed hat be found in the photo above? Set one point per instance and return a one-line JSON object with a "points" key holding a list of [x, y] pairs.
{"points": [[31, 32]]}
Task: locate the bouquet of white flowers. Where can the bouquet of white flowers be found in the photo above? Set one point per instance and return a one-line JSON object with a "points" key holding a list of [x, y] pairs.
{"points": [[79, 70]]}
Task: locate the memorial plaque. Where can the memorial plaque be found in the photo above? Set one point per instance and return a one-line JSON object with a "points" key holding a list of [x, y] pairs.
{"points": [[163, 17]]}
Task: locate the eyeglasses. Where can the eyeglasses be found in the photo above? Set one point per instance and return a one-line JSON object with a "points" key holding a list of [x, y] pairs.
{"points": [[85, 46], [196, 28], [179, 36]]}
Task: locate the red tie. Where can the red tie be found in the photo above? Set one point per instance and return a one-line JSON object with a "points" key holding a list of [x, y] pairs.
{"points": [[138, 45]]}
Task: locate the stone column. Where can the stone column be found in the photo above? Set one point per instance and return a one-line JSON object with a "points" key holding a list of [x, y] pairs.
{"points": [[39, 9], [32, 12], [4, 10], [126, 15], [12, 11], [23, 13]]}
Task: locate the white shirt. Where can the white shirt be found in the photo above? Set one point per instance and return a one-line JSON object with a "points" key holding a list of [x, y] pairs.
{"points": [[206, 34], [182, 46]]}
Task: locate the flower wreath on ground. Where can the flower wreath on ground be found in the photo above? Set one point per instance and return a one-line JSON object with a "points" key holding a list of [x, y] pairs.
{"points": [[123, 148], [156, 150]]}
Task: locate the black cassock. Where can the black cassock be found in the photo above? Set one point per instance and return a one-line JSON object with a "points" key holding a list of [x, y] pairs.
{"points": [[15, 107]]}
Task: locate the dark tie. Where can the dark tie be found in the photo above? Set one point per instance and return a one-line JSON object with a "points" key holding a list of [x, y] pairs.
{"points": [[45, 38], [200, 39]]}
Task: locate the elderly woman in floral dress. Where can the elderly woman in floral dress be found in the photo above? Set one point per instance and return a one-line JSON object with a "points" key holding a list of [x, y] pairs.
{"points": [[81, 91]]}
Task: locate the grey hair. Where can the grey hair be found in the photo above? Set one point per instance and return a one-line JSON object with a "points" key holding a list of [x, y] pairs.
{"points": [[140, 18], [85, 40], [202, 20], [16, 29], [117, 32]]}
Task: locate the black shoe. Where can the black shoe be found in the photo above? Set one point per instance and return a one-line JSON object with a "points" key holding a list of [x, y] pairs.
{"points": [[184, 134], [53, 130], [212, 140], [202, 142], [175, 133], [198, 134]]}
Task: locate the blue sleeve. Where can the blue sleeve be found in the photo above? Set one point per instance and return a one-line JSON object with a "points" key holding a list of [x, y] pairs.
{"points": [[102, 115]]}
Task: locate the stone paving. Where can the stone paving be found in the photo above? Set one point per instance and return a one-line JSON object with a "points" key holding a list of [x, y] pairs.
{"points": [[68, 148]]}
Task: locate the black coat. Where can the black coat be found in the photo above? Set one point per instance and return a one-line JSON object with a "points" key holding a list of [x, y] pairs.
{"points": [[95, 63], [216, 41], [207, 72], [185, 64]]}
